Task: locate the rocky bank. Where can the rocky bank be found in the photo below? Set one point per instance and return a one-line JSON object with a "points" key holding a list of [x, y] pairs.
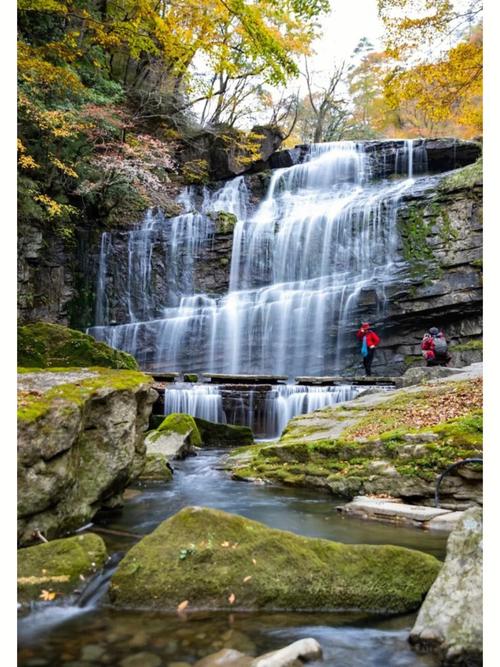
{"points": [[392, 443]]}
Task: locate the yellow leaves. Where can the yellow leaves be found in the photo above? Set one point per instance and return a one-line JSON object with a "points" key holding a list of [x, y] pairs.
{"points": [[53, 208], [182, 606], [66, 169], [47, 595]]}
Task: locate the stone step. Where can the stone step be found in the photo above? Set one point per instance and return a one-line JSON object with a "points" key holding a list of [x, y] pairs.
{"points": [[391, 510], [354, 379], [223, 378]]}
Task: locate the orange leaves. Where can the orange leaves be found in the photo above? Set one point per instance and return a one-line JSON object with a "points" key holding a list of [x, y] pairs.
{"points": [[47, 596], [182, 606]]}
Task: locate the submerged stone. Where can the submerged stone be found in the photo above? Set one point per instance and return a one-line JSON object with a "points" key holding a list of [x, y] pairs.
{"points": [[217, 560], [58, 566]]}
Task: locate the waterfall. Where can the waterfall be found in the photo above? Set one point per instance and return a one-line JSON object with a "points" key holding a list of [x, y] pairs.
{"points": [[265, 412], [323, 237], [197, 400]]}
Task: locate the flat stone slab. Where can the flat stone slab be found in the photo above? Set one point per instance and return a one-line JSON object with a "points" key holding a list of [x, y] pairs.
{"points": [[390, 509], [353, 379], [222, 378]]}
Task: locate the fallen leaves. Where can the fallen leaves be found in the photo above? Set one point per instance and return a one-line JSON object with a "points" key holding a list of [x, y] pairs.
{"points": [[47, 595]]}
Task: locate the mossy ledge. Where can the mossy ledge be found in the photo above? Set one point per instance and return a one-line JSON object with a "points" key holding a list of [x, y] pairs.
{"points": [[58, 566], [43, 345], [378, 445], [207, 556], [33, 404]]}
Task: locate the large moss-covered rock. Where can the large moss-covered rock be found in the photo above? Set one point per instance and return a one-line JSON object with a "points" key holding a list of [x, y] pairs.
{"points": [[80, 442], [450, 620], [393, 443], [43, 345], [207, 556], [58, 566], [223, 435]]}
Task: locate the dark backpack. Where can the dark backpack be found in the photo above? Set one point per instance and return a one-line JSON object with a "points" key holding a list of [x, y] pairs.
{"points": [[440, 346]]}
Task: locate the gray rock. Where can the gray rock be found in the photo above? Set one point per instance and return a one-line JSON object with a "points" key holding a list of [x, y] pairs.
{"points": [[74, 455], [450, 620]]}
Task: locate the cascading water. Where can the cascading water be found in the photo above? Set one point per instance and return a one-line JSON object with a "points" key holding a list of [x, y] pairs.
{"points": [[265, 412], [324, 234]]}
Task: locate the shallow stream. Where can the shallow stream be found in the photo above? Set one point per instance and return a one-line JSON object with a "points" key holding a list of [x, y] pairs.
{"points": [[81, 637]]}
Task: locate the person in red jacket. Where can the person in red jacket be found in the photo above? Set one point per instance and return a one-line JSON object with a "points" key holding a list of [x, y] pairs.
{"points": [[369, 341]]}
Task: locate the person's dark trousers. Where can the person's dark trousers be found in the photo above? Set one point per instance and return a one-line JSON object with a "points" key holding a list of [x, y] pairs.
{"points": [[367, 361]]}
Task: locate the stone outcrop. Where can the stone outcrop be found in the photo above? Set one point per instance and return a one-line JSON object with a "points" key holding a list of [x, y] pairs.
{"points": [[450, 621], [392, 443], [215, 560], [175, 438], [80, 443], [43, 345], [59, 566]]}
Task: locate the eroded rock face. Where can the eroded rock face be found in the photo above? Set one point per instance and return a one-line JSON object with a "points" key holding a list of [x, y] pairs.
{"points": [[80, 443], [217, 560], [58, 566], [450, 620]]}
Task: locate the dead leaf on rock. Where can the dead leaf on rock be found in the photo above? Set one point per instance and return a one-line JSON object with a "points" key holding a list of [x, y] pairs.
{"points": [[47, 595], [182, 606]]}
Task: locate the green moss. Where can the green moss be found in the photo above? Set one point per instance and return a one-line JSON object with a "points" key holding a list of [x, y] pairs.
{"points": [[58, 565], [467, 177], [34, 405], [43, 345], [225, 435], [471, 345], [284, 570], [224, 222], [156, 468], [183, 424]]}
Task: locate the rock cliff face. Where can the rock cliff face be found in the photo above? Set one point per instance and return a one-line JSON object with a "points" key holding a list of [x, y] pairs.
{"points": [[438, 279], [80, 442]]}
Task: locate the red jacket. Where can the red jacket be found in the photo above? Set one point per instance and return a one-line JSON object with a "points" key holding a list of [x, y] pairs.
{"points": [[371, 337]]}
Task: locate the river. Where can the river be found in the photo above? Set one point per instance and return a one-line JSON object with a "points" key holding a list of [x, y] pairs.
{"points": [[71, 636]]}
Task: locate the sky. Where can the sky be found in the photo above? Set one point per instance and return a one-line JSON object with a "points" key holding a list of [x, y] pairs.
{"points": [[343, 27]]}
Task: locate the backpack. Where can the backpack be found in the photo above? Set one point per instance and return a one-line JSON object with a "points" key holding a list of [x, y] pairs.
{"points": [[440, 346]]}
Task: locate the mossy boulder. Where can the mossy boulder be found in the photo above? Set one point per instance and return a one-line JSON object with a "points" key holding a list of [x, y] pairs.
{"points": [[80, 443], [156, 468], [223, 435], [58, 566], [43, 345], [175, 438], [450, 621], [217, 560]]}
